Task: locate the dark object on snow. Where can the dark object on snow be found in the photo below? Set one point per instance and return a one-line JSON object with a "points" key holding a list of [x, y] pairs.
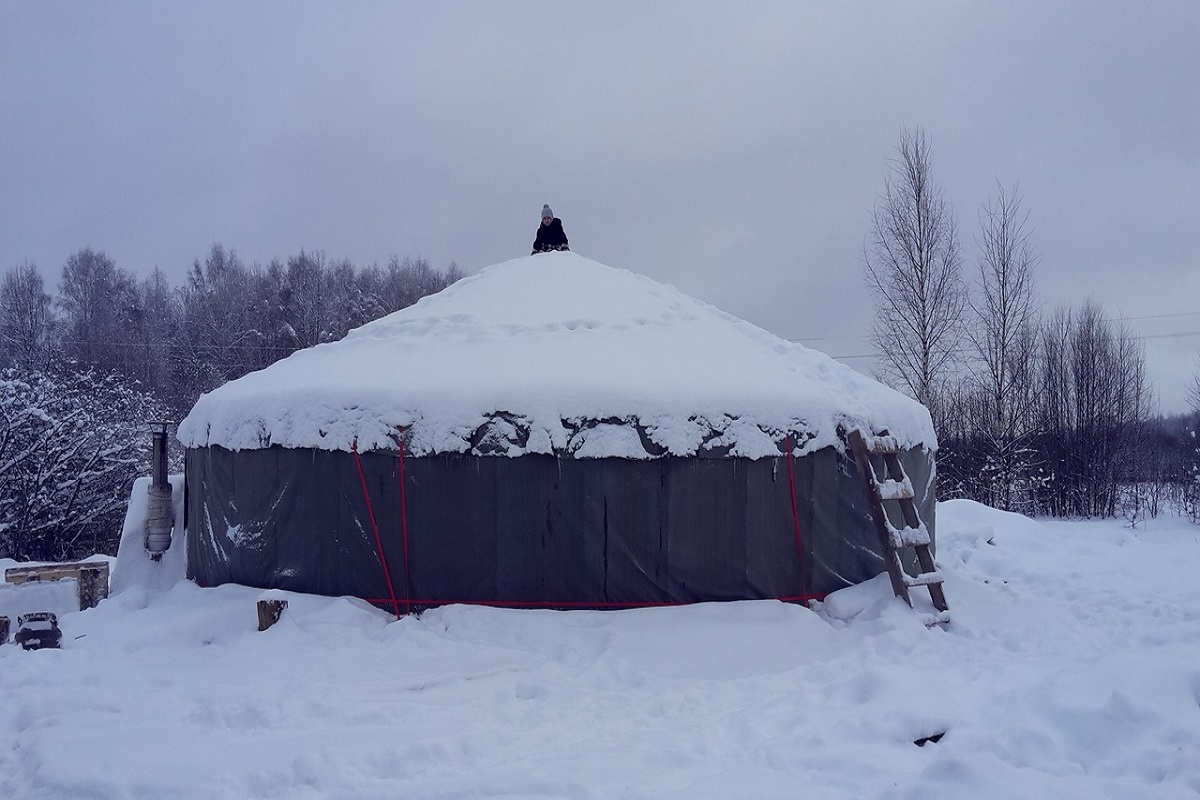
{"points": [[550, 234], [924, 740], [5, 623], [91, 578], [269, 612], [38, 630]]}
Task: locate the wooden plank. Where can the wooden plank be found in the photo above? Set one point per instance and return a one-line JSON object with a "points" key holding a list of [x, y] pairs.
{"points": [[895, 490], [908, 537], [925, 559], [878, 445], [53, 572], [91, 578]]}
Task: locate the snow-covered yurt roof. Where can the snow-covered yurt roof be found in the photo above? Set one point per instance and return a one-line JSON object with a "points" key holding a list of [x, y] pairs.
{"points": [[554, 353]]}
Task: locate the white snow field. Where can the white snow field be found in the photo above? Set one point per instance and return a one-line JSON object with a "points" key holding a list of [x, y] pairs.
{"points": [[1071, 669]]}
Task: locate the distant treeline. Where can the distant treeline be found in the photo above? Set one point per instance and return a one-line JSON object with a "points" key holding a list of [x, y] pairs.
{"points": [[82, 372], [1074, 433], [229, 318]]}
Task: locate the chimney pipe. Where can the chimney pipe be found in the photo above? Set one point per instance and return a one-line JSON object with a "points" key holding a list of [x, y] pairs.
{"points": [[160, 513]]}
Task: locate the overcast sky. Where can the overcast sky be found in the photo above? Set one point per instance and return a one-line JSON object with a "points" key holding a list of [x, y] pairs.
{"points": [[732, 149]]}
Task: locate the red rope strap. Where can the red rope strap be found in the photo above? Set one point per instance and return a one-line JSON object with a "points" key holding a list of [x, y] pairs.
{"points": [[593, 605], [795, 511], [404, 528], [375, 527]]}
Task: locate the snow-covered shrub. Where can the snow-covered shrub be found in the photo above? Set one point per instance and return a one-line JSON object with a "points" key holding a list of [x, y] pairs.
{"points": [[1191, 489], [71, 444]]}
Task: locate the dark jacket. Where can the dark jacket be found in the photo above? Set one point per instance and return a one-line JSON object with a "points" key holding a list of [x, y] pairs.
{"points": [[550, 237]]}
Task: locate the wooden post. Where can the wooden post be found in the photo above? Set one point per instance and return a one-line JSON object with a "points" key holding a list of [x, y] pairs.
{"points": [[269, 612]]}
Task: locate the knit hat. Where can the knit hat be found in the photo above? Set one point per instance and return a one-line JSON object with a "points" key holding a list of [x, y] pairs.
{"points": [[547, 213]]}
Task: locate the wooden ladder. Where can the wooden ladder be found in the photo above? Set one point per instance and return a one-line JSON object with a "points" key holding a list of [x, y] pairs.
{"points": [[896, 486]]}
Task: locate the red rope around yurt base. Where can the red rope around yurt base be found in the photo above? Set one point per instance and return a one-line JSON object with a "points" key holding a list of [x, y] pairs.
{"points": [[795, 511], [404, 528], [375, 527], [409, 602], [582, 605]]}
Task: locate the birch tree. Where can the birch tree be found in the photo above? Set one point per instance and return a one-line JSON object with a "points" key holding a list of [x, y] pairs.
{"points": [[913, 269], [1193, 392], [1002, 333]]}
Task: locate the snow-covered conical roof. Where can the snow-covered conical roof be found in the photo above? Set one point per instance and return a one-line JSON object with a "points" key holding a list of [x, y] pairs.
{"points": [[554, 353]]}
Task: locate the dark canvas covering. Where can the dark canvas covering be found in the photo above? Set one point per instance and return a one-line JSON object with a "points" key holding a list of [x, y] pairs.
{"points": [[534, 530]]}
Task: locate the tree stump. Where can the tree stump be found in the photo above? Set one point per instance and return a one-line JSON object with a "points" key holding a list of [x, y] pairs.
{"points": [[269, 612]]}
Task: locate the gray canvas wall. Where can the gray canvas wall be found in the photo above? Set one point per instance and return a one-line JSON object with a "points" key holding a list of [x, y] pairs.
{"points": [[534, 530]]}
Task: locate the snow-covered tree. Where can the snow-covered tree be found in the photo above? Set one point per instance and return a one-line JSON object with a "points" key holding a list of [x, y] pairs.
{"points": [[98, 300], [1191, 488], [70, 447], [217, 340], [156, 319], [27, 321]]}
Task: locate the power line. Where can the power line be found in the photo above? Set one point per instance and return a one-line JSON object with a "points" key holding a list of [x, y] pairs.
{"points": [[1160, 316], [1167, 335]]}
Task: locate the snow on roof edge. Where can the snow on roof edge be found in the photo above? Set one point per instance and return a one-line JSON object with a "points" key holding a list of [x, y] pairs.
{"points": [[559, 354]]}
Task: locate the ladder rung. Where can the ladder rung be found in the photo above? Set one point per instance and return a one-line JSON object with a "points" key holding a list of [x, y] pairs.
{"points": [[880, 445], [936, 618], [895, 490], [908, 537], [923, 579]]}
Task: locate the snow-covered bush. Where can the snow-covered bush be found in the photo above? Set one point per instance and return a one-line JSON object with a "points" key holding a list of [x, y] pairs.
{"points": [[71, 444], [1191, 489]]}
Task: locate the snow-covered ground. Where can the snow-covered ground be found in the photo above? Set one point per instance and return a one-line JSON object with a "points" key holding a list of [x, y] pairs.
{"points": [[1071, 670]]}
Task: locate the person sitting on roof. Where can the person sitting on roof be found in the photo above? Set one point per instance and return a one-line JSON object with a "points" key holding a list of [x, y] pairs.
{"points": [[550, 235]]}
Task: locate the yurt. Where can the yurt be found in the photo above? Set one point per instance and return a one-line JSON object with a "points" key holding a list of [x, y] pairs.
{"points": [[551, 432]]}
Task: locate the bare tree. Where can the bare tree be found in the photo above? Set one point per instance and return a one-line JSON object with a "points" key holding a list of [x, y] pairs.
{"points": [[216, 336], [98, 299], [1193, 392], [1093, 401], [1004, 343], [913, 269], [155, 323], [26, 318]]}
